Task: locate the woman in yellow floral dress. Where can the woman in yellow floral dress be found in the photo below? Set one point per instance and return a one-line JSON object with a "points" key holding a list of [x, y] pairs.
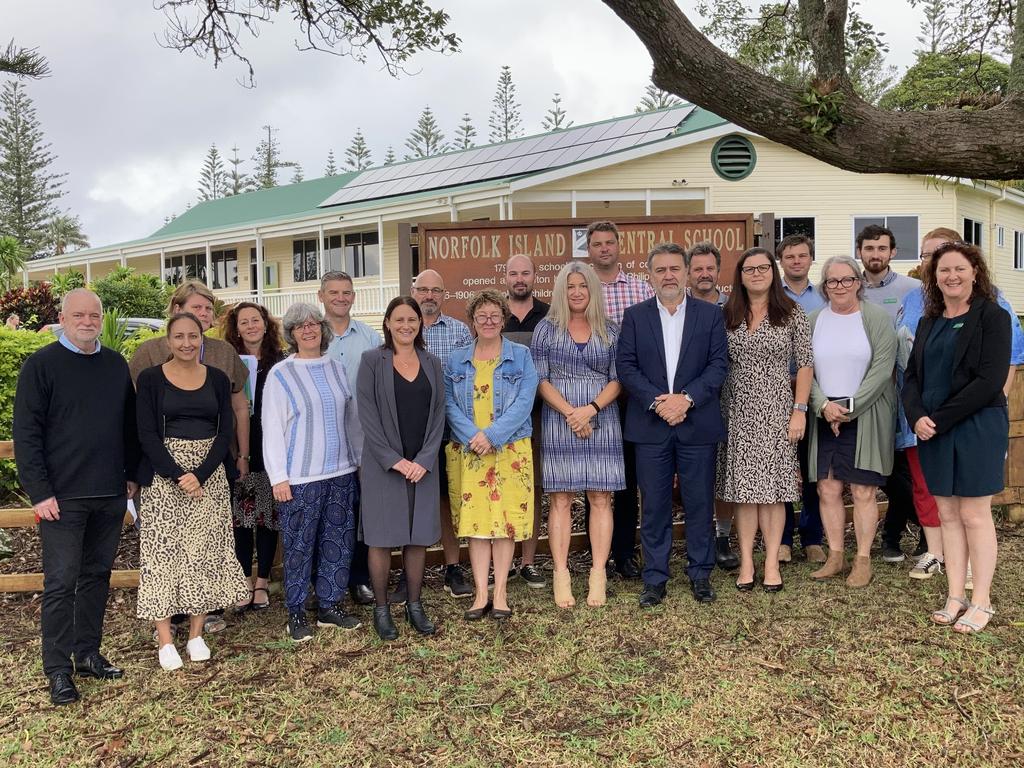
{"points": [[490, 387]]}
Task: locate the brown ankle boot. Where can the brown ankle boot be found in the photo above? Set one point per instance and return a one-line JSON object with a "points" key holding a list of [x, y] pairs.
{"points": [[860, 576], [834, 566]]}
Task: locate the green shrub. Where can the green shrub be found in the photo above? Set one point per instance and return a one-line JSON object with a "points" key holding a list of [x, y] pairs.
{"points": [[143, 334], [64, 283], [133, 294], [36, 305], [15, 346]]}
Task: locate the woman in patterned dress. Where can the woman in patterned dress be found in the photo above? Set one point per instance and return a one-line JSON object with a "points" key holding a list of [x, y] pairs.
{"points": [[251, 330], [574, 351], [757, 465], [186, 558], [490, 386]]}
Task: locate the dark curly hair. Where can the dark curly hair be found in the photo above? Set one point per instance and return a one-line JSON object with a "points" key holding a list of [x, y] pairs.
{"points": [[983, 288], [272, 348]]}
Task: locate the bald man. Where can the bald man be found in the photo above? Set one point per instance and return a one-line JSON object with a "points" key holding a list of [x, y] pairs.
{"points": [[527, 310], [441, 334]]}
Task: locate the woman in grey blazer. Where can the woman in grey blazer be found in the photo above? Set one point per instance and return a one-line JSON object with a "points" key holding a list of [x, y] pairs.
{"points": [[401, 403]]}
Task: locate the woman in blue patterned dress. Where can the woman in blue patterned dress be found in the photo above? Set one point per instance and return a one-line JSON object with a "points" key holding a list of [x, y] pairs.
{"points": [[581, 441]]}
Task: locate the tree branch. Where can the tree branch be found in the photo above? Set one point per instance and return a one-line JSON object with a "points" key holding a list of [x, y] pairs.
{"points": [[977, 144], [823, 23], [1015, 87]]}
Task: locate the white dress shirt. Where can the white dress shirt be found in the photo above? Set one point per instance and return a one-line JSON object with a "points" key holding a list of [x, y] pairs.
{"points": [[672, 332]]}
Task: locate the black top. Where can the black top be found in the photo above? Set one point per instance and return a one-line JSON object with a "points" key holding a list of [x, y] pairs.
{"points": [[190, 414], [263, 367], [980, 364], [74, 425], [412, 399], [528, 323], [150, 412]]}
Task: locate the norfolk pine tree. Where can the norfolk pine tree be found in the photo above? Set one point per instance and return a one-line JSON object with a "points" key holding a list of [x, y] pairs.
{"points": [[236, 182], [389, 156], [505, 122], [28, 188], [555, 120], [465, 133], [213, 181], [331, 169], [357, 156], [426, 138], [268, 160]]}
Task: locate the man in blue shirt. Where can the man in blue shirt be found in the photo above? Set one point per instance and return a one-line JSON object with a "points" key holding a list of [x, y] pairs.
{"points": [[796, 254], [351, 338]]}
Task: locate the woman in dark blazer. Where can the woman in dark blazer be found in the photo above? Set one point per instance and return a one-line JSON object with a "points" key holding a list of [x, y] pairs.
{"points": [[401, 403], [954, 400]]}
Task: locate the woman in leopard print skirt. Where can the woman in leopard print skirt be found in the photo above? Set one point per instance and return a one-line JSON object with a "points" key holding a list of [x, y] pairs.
{"points": [[186, 551]]}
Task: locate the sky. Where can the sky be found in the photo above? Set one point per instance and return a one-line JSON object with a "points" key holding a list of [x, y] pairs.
{"points": [[130, 121]]}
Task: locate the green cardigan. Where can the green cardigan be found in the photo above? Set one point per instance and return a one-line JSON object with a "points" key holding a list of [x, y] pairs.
{"points": [[874, 401]]}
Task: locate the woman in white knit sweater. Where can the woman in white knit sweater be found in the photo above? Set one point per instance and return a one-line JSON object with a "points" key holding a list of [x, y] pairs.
{"points": [[309, 454]]}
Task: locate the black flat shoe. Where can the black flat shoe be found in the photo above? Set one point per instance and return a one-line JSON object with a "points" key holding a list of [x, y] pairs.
{"points": [[652, 595], [361, 594], [745, 586], [417, 618], [475, 614], [384, 624], [773, 587], [94, 665], [499, 615], [62, 689], [629, 569], [254, 606]]}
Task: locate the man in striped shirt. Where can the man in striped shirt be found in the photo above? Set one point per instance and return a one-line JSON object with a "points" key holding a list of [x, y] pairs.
{"points": [[620, 292]]}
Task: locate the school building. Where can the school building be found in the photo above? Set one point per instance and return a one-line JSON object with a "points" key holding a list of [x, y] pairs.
{"points": [[272, 245]]}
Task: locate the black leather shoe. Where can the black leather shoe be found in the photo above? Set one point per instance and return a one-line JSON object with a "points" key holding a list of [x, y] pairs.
{"points": [[417, 618], [361, 594], [773, 587], [702, 591], [500, 615], [475, 614], [384, 624], [628, 569], [94, 665], [652, 595], [62, 689], [746, 586], [726, 559]]}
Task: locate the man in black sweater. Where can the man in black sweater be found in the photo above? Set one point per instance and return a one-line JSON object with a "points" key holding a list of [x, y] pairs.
{"points": [[76, 448]]}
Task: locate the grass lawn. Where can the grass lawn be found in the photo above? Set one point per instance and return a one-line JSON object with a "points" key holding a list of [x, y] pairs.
{"points": [[819, 675]]}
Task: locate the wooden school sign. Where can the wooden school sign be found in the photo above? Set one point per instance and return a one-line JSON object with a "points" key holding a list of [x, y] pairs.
{"points": [[471, 256]]}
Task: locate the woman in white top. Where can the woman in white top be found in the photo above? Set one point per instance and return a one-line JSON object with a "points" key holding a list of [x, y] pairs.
{"points": [[311, 462], [854, 397]]}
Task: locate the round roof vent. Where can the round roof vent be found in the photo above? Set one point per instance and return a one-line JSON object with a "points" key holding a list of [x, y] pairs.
{"points": [[733, 157]]}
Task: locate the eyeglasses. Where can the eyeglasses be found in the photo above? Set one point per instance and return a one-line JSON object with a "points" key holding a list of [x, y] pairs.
{"points": [[309, 325], [846, 282], [433, 291], [759, 268], [487, 319]]}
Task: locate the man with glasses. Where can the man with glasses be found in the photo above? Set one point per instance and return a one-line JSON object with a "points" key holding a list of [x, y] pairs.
{"points": [[351, 338], [441, 334], [796, 254]]}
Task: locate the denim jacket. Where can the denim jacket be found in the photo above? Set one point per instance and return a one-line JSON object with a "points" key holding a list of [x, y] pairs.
{"points": [[515, 386]]}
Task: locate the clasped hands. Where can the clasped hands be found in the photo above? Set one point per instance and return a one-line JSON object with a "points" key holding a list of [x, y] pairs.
{"points": [[190, 484], [672, 408], [835, 415], [925, 428], [410, 470], [578, 420]]}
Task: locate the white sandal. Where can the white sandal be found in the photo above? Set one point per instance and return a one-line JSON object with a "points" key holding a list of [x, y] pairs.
{"points": [[946, 617], [970, 626]]}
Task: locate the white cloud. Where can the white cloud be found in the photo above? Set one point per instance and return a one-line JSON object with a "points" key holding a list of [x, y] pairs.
{"points": [[148, 186]]}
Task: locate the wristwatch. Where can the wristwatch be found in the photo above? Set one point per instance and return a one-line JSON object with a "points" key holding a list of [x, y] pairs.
{"points": [[686, 394], [802, 407]]}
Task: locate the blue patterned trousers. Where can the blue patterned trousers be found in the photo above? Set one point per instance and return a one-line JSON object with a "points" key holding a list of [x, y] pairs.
{"points": [[319, 523]]}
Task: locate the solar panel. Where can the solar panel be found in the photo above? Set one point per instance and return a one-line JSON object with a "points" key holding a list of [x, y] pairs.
{"points": [[496, 161]]}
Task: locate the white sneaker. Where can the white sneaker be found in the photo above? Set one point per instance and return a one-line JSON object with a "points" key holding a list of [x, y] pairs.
{"points": [[198, 650], [169, 658], [927, 566], [969, 584]]}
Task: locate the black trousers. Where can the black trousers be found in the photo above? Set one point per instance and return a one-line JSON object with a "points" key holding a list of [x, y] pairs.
{"points": [[266, 548], [900, 491], [625, 505], [78, 553]]}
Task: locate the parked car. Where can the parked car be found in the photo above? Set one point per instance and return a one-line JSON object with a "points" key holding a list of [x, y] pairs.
{"points": [[133, 324]]}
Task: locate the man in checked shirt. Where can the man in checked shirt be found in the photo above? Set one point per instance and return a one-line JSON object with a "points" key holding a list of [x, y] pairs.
{"points": [[620, 291]]}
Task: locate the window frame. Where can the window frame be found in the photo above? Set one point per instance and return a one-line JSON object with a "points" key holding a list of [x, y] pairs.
{"points": [[1018, 250], [977, 228], [780, 226], [913, 251]]}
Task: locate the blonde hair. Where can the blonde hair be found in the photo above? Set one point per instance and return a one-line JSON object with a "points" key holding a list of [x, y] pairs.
{"points": [[186, 289], [595, 314]]}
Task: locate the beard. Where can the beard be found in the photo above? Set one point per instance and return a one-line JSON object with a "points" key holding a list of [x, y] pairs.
{"points": [[520, 291]]}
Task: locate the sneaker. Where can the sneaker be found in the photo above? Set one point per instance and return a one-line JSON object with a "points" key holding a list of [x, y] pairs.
{"points": [[969, 583], [298, 628], [532, 576], [169, 658], [198, 650], [336, 617], [891, 553], [922, 544], [927, 566], [455, 583]]}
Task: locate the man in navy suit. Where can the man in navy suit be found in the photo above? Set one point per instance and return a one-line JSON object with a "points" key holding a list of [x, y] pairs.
{"points": [[672, 360]]}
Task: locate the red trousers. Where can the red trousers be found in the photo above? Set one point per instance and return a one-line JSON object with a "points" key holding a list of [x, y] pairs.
{"points": [[924, 503]]}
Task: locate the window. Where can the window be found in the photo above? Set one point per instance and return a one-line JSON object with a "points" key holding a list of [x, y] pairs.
{"points": [[188, 266], [334, 255], [793, 225], [972, 232], [1018, 250], [304, 264], [903, 228], [1001, 236], [224, 265], [362, 254]]}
